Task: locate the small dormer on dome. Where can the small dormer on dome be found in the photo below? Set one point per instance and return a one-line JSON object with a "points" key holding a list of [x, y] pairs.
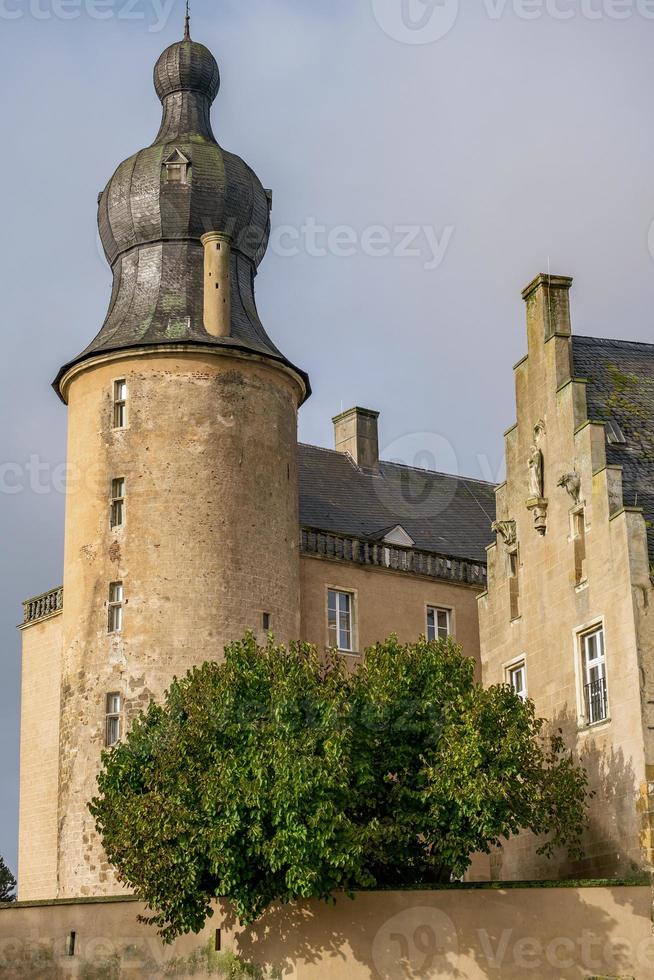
{"points": [[177, 166]]}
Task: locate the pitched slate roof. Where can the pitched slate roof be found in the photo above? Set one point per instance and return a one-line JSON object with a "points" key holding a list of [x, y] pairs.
{"points": [[444, 514], [621, 390]]}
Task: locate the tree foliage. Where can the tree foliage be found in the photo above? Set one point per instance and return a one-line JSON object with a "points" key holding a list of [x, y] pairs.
{"points": [[280, 774], [7, 883]]}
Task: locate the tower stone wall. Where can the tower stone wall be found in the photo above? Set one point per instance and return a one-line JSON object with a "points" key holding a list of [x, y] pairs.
{"points": [[208, 544]]}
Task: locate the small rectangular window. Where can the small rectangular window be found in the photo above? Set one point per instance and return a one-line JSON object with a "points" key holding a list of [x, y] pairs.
{"points": [[112, 726], [514, 583], [593, 662], [339, 620], [438, 623], [120, 404], [115, 623], [518, 680], [579, 538], [118, 502], [266, 621]]}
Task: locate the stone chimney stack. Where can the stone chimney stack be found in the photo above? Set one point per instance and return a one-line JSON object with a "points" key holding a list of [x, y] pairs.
{"points": [[547, 299], [355, 433], [548, 305]]}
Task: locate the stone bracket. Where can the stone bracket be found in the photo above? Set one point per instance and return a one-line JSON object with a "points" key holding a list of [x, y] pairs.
{"points": [[538, 506]]}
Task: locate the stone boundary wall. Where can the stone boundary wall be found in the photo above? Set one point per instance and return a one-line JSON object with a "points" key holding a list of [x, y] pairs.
{"points": [[573, 932]]}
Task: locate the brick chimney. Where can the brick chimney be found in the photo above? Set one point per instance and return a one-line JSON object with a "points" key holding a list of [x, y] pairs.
{"points": [[355, 433]]}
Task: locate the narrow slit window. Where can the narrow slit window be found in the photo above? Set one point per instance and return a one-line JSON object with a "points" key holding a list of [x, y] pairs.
{"points": [[116, 602], [579, 538], [112, 721], [339, 620], [514, 583], [438, 623], [120, 404], [118, 502]]}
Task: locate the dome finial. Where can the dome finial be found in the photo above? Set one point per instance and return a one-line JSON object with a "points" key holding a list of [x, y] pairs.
{"points": [[187, 23]]}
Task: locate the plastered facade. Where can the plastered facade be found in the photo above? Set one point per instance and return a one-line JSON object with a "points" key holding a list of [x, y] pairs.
{"points": [[588, 567], [385, 602]]}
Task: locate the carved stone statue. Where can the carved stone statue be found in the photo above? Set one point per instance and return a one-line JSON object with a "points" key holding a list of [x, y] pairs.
{"points": [[572, 483], [507, 529], [535, 472]]}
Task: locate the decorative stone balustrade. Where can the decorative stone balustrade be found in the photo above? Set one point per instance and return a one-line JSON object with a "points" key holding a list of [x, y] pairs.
{"points": [[43, 606], [324, 544]]}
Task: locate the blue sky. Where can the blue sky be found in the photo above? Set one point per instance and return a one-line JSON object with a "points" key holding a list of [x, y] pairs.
{"points": [[520, 134]]}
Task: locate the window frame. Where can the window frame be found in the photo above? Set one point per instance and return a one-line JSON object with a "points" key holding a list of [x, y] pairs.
{"points": [[449, 612], [580, 637], [113, 716], [120, 396], [351, 595], [595, 703], [115, 607], [117, 503], [512, 668], [579, 528]]}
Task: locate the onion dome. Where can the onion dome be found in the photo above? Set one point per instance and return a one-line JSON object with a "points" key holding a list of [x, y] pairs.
{"points": [[155, 210]]}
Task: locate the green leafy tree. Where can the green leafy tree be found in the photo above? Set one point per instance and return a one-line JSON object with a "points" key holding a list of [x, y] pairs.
{"points": [[280, 774], [7, 883]]}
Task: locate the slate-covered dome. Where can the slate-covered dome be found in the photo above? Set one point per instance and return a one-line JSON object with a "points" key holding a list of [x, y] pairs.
{"points": [[187, 66], [155, 210], [218, 190]]}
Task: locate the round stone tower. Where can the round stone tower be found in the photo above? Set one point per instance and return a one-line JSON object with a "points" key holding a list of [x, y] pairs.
{"points": [[182, 514]]}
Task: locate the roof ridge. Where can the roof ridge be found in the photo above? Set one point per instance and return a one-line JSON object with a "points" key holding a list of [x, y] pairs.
{"points": [[613, 340], [450, 476], [415, 469]]}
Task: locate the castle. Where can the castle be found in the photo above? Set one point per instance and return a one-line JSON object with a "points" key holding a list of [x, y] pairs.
{"points": [[196, 515]]}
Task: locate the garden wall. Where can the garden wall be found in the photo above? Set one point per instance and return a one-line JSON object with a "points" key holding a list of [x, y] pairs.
{"points": [[468, 933]]}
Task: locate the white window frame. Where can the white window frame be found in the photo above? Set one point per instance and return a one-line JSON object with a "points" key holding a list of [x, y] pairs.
{"points": [[115, 607], [117, 515], [518, 667], [113, 718], [594, 704], [120, 396], [339, 633], [436, 610]]}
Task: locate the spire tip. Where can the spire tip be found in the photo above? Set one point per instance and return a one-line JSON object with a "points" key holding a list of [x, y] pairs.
{"points": [[187, 23]]}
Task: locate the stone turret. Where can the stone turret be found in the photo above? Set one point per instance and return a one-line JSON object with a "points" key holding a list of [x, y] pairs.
{"points": [[181, 519]]}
